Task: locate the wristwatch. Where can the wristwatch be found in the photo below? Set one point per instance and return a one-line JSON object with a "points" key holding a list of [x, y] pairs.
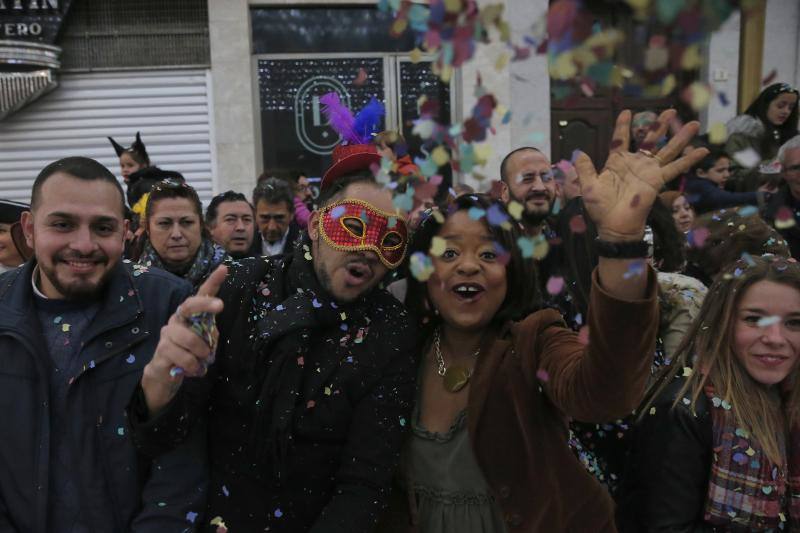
{"points": [[622, 250]]}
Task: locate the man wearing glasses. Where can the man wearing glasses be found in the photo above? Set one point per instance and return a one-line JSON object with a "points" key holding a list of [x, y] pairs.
{"points": [[783, 211], [527, 178]]}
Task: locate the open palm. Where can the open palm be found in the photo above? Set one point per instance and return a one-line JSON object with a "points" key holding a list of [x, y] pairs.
{"points": [[619, 199]]}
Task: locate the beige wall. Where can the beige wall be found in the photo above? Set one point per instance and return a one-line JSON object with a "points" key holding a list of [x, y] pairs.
{"points": [[236, 112]]}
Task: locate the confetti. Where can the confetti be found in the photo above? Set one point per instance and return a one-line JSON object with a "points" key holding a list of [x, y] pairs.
{"points": [[476, 213], [583, 335], [748, 158], [767, 321], [495, 216], [555, 285], [361, 77], [421, 266], [65, 328], [636, 269], [438, 246], [515, 209], [526, 246], [338, 211], [769, 77], [191, 516], [717, 133], [697, 237], [542, 375], [278, 513], [120, 431], [131, 358], [577, 224], [784, 218]]}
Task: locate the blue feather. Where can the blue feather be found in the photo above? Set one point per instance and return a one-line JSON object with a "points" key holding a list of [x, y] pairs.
{"points": [[368, 120]]}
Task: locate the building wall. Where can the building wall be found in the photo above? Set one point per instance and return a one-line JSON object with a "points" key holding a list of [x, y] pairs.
{"points": [[523, 87], [239, 160], [238, 153], [721, 71], [782, 41]]}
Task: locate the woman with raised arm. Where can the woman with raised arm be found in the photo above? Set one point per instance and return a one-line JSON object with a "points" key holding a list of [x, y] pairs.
{"points": [[488, 448]]}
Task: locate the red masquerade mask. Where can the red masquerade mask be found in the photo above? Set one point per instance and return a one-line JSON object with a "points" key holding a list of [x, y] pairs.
{"points": [[355, 225]]}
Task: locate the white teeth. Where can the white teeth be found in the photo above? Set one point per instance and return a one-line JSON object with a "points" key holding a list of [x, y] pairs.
{"points": [[466, 289]]}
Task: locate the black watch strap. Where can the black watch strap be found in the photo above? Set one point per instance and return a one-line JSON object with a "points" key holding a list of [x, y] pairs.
{"points": [[621, 250]]}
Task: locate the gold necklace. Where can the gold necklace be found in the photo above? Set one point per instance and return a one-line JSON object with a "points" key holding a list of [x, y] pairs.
{"points": [[455, 377]]}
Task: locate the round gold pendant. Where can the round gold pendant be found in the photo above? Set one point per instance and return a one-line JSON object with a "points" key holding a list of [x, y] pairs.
{"points": [[456, 378]]}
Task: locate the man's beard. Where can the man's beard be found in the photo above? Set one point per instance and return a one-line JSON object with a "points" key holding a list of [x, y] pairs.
{"points": [[325, 280], [534, 218], [81, 289]]}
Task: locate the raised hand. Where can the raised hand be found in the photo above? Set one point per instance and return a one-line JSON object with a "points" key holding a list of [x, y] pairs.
{"points": [[619, 199], [182, 351]]}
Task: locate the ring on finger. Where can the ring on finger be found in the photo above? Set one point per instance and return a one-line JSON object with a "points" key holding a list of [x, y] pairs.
{"points": [[179, 314], [648, 153]]}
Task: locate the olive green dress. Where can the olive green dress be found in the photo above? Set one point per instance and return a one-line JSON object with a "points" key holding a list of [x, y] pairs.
{"points": [[451, 493]]}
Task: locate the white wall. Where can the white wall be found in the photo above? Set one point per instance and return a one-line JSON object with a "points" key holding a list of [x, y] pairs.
{"points": [[722, 59], [782, 41], [238, 149], [530, 82]]}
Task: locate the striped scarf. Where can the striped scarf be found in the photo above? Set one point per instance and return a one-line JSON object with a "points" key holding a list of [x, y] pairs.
{"points": [[747, 491]]}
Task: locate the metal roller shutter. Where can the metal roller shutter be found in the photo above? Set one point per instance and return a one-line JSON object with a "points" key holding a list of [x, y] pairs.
{"points": [[169, 107]]}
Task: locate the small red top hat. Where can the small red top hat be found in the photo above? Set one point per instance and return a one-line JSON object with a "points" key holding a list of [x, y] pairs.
{"points": [[349, 158]]}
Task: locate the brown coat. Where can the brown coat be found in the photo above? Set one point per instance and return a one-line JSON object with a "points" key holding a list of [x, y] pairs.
{"points": [[535, 375]]}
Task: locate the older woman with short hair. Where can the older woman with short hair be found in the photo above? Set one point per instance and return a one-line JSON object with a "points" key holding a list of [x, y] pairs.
{"points": [[176, 238]]}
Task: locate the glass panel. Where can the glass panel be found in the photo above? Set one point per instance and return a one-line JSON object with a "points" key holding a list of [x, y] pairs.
{"points": [[294, 133], [325, 29], [416, 80]]}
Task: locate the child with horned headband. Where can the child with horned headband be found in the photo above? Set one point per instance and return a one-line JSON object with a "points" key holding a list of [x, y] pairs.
{"points": [[131, 159]]}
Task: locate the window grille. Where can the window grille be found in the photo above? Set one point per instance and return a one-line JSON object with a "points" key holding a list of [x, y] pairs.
{"points": [[113, 34]]}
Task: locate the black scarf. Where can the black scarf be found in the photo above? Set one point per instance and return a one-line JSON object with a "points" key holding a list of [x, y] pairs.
{"points": [[208, 257], [298, 315]]}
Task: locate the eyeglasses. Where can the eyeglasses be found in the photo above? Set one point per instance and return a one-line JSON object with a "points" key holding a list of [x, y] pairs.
{"points": [[545, 176]]}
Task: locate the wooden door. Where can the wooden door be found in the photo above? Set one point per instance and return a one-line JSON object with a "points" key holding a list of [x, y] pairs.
{"points": [[582, 122]]}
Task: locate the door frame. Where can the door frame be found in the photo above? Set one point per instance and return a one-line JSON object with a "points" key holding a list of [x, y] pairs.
{"points": [[391, 86]]}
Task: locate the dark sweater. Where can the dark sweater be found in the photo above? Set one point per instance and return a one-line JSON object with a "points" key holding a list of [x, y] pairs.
{"points": [[62, 324], [704, 195]]}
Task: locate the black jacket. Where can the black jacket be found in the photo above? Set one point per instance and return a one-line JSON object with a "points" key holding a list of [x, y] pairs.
{"points": [[784, 198], [666, 482], [292, 238], [146, 495], [348, 412]]}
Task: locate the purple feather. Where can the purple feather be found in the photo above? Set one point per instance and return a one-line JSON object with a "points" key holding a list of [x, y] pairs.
{"points": [[368, 120], [339, 117]]}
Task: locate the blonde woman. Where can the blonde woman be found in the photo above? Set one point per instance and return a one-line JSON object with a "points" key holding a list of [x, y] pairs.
{"points": [[717, 444]]}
